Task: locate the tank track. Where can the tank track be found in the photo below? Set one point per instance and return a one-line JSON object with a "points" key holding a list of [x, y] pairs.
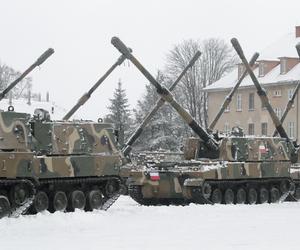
{"points": [[84, 183], [295, 195], [135, 192], [6, 186], [247, 184]]}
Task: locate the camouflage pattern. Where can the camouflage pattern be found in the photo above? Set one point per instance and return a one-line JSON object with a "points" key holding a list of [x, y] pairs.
{"points": [[241, 158], [56, 149]]}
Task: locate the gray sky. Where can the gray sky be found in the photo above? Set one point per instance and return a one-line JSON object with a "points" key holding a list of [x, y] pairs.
{"points": [[80, 33]]}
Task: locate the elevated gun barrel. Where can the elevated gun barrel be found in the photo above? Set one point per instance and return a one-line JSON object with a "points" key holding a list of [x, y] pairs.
{"points": [[260, 91], [127, 148], [87, 95], [230, 95], [298, 49], [167, 96], [37, 63]]}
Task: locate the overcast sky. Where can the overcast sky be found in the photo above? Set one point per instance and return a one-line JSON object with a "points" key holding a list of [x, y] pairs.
{"points": [[80, 33]]}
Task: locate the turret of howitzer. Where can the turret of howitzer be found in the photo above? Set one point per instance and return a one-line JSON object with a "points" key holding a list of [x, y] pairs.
{"points": [[210, 144], [37, 63], [87, 95], [127, 148]]}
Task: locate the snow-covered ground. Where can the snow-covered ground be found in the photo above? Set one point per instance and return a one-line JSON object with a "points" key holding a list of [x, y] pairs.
{"points": [[128, 225]]}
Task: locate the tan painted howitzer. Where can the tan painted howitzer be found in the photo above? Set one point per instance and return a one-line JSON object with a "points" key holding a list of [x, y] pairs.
{"points": [[87, 95], [208, 140], [37, 63], [127, 148]]}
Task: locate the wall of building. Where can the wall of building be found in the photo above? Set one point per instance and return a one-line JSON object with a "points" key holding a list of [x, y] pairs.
{"points": [[278, 96]]}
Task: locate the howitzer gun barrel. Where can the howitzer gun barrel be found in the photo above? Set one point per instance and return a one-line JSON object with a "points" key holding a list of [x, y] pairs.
{"points": [[127, 148], [298, 49], [230, 95], [87, 95], [167, 96], [37, 63], [260, 91]]}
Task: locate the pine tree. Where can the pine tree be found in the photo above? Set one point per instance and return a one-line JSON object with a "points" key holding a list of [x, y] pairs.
{"points": [[120, 113]]}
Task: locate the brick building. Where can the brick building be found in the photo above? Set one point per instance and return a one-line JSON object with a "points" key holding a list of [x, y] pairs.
{"points": [[278, 70]]}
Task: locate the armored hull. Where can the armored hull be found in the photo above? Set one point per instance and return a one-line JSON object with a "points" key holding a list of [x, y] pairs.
{"points": [[250, 170]]}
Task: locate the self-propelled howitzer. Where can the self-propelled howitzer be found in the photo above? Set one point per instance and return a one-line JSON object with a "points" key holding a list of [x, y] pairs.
{"points": [[230, 169], [56, 165]]}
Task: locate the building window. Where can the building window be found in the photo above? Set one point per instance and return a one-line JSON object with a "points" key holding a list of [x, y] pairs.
{"points": [[291, 129], [226, 127], [239, 102], [290, 93], [264, 129], [283, 68], [261, 69], [277, 92], [251, 101], [227, 109], [263, 106], [278, 112], [251, 129]]}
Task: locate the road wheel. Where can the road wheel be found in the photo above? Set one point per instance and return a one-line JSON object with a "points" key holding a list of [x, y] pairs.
{"points": [[94, 199], [216, 196], [252, 196], [263, 195], [274, 195], [4, 206], [41, 202], [241, 196], [110, 188], [229, 196], [78, 200], [60, 201], [285, 186], [18, 194]]}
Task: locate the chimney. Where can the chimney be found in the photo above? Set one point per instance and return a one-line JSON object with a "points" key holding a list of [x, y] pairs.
{"points": [[297, 31]]}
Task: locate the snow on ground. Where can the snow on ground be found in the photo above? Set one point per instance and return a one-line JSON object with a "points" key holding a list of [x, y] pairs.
{"points": [[128, 225]]}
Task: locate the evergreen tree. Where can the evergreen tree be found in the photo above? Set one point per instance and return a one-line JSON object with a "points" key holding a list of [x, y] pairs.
{"points": [[120, 113]]}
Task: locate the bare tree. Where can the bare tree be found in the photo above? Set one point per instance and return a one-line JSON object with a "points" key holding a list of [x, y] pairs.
{"points": [[217, 59], [8, 75]]}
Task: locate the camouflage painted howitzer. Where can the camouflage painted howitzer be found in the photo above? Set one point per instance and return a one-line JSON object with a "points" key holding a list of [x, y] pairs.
{"points": [[13, 154], [57, 165], [231, 169]]}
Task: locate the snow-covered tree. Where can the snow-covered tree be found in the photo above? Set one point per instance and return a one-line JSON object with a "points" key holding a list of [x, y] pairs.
{"points": [[120, 113], [8, 75], [166, 129]]}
